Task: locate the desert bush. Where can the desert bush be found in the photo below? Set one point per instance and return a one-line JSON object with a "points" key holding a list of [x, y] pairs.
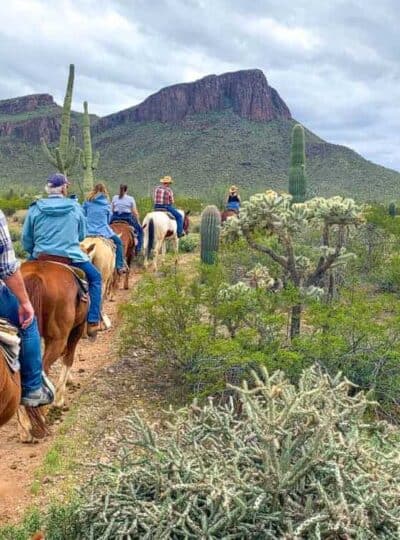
{"points": [[358, 336], [189, 243], [296, 462]]}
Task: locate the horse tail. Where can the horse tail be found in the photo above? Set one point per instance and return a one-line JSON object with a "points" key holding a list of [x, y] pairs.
{"points": [[150, 241], [35, 289]]}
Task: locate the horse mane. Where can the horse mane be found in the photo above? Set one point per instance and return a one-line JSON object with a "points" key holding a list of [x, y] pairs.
{"points": [[34, 287]]}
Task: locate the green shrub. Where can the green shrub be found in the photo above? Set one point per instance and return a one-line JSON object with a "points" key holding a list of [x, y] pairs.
{"points": [[189, 243], [295, 463], [19, 250]]}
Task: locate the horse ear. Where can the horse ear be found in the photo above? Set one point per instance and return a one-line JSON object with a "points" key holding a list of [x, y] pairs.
{"points": [[187, 212]]}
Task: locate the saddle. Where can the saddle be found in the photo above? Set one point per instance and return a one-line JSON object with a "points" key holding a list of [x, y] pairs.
{"points": [[10, 344], [79, 275], [132, 230], [171, 216]]}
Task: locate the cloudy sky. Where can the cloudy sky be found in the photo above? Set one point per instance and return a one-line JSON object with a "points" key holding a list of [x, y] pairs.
{"points": [[336, 63]]}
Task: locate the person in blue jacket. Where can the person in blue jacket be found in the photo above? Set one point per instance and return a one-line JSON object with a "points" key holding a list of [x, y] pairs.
{"points": [[55, 226], [97, 210]]}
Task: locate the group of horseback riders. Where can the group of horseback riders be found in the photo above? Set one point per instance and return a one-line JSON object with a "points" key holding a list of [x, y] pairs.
{"points": [[53, 229]]}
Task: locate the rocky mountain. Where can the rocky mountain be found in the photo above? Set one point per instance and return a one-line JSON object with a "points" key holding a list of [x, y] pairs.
{"points": [[209, 133], [247, 93]]}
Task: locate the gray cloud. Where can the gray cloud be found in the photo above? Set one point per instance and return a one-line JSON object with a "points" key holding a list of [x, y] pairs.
{"points": [[336, 63]]}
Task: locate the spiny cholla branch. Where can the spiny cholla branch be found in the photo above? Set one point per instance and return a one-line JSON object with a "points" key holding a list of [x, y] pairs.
{"points": [[297, 462]]}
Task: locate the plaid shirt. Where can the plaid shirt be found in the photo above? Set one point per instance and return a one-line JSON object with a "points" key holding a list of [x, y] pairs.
{"points": [[163, 195], [8, 261]]}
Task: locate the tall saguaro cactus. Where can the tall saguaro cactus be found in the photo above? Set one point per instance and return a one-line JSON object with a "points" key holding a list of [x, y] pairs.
{"points": [[297, 173], [209, 234], [89, 161], [66, 155]]}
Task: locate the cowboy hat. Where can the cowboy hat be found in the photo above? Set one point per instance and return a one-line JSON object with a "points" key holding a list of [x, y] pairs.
{"points": [[232, 189], [166, 180]]}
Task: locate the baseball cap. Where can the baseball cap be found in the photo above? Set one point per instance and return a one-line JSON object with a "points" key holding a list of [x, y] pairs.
{"points": [[57, 180]]}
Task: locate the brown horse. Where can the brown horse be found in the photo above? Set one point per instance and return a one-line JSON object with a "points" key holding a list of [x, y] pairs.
{"points": [[124, 230], [61, 313], [10, 396], [225, 214]]}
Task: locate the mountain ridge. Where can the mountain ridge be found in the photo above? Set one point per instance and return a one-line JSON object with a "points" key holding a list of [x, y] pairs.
{"points": [[220, 129]]}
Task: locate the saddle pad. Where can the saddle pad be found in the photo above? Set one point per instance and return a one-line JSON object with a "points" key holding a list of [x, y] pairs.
{"points": [[10, 344], [171, 216]]}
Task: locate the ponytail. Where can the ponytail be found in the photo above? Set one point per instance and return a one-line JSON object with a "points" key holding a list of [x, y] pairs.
{"points": [[123, 188]]}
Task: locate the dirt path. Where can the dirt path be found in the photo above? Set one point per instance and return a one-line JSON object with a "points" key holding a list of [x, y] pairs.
{"points": [[19, 462]]}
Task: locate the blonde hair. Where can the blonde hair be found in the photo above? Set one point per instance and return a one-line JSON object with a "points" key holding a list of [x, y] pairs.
{"points": [[98, 188]]}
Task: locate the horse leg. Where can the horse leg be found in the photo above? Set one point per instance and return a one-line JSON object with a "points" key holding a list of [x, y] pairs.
{"points": [[53, 350], [24, 426], [68, 360]]}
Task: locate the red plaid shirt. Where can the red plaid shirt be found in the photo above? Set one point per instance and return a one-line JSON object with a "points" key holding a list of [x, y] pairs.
{"points": [[163, 195]]}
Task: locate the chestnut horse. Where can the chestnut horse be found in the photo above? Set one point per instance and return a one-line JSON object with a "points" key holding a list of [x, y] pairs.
{"points": [[10, 396], [225, 214], [125, 232], [61, 314]]}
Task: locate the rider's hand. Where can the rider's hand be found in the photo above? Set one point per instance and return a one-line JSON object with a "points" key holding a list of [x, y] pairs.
{"points": [[26, 314]]}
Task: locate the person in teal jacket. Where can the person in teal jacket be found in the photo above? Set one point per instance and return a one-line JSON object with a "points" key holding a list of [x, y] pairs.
{"points": [[55, 226], [97, 210]]}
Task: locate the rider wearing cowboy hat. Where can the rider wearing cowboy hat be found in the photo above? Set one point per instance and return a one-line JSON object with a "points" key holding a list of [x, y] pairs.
{"points": [[164, 200], [233, 200]]}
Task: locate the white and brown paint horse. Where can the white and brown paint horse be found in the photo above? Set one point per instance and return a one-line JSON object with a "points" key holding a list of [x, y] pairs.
{"points": [[158, 227]]}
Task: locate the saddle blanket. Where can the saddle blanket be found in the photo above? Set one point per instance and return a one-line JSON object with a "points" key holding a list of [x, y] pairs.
{"points": [[171, 216], [10, 344]]}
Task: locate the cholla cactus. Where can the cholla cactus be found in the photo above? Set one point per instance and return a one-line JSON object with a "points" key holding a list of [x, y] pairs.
{"points": [[296, 463], [274, 213], [260, 278], [233, 292]]}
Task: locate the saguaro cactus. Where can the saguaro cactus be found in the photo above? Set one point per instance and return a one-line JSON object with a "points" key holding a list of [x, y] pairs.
{"points": [[392, 209], [297, 173], [89, 161], [209, 234], [66, 155]]}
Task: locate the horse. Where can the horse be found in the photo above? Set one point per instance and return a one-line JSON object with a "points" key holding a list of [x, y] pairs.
{"points": [[101, 253], [10, 397], [125, 232], [61, 311], [227, 213], [158, 227]]}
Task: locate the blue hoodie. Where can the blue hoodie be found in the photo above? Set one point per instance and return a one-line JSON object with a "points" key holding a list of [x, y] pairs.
{"points": [[55, 225], [98, 213]]}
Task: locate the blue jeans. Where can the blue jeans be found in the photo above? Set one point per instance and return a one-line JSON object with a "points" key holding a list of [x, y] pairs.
{"points": [[30, 355], [94, 280], [119, 254], [133, 222], [233, 206], [177, 215]]}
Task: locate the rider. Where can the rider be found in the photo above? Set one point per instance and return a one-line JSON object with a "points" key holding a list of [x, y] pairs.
{"points": [[124, 209], [164, 200], [97, 210], [55, 226], [233, 199], [16, 307]]}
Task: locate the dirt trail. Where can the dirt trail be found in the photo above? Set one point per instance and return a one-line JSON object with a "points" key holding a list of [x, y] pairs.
{"points": [[18, 462]]}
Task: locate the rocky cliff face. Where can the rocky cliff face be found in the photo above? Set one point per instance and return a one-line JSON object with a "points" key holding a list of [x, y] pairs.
{"points": [[29, 118], [246, 92], [26, 103]]}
